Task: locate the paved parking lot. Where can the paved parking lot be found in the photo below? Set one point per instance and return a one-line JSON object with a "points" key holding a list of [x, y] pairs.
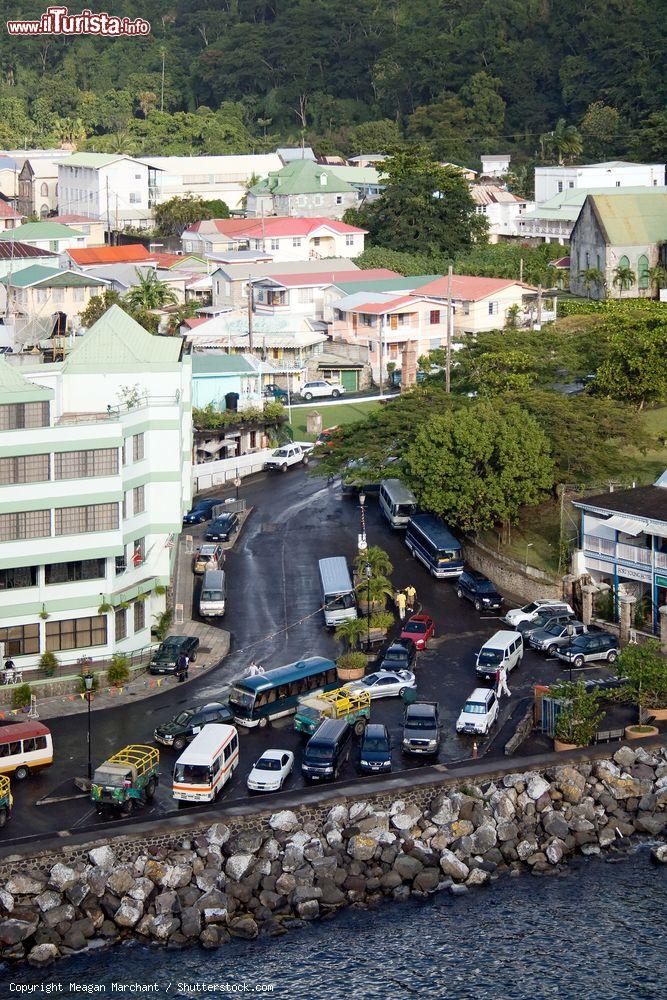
{"points": [[273, 597]]}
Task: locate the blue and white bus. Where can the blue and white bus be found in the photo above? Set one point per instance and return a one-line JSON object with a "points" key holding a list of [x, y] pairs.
{"points": [[431, 541], [255, 700]]}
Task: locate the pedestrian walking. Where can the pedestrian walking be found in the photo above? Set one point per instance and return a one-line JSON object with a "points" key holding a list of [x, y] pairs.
{"points": [[182, 667], [411, 597], [400, 601], [254, 669], [501, 682]]}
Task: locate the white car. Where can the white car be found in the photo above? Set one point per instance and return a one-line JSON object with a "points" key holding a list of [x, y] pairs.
{"points": [[270, 772], [532, 610], [319, 390], [288, 454], [479, 712], [385, 683]]}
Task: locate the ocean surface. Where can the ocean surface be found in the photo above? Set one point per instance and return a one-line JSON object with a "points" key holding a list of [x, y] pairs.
{"points": [[598, 932]]}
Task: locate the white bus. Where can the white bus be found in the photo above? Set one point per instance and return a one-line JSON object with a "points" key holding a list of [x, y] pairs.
{"points": [[338, 597], [207, 764], [25, 747], [397, 503]]}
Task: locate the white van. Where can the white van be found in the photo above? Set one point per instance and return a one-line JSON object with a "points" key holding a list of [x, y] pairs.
{"points": [[339, 600], [207, 764], [479, 712], [212, 596], [504, 649], [397, 503]]}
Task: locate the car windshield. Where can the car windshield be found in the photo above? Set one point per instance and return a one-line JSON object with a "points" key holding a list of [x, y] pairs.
{"points": [[109, 778], [341, 601], [405, 509], [490, 657], [530, 607], [375, 744], [474, 708], [211, 595], [396, 654], [318, 751], [555, 629], [446, 555], [194, 774], [183, 718], [308, 713], [485, 587], [281, 453], [268, 764], [245, 699], [421, 722], [415, 627]]}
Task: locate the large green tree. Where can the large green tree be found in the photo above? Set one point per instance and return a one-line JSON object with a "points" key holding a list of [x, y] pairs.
{"points": [[176, 214], [636, 368], [477, 468]]}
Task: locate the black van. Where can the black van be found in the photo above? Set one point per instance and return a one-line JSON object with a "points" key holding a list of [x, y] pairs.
{"points": [[327, 750]]}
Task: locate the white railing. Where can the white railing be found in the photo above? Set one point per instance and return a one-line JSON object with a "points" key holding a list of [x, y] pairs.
{"points": [[661, 560], [605, 546], [634, 553], [225, 470]]}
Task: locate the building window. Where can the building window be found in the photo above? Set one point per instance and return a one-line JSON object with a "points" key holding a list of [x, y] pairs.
{"points": [[434, 317], [570, 184], [16, 416], [120, 624], [92, 517], [73, 572], [275, 244], [339, 199], [493, 308], [135, 198], [642, 272], [44, 190], [349, 239], [53, 244], [79, 294], [139, 615], [17, 577], [84, 464], [138, 500], [24, 469], [560, 186], [76, 633], [253, 439], [20, 640], [618, 184], [305, 295], [120, 564], [25, 524], [137, 447], [296, 241]]}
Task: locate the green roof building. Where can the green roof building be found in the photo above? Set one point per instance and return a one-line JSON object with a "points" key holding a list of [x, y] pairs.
{"points": [[302, 188], [46, 236]]}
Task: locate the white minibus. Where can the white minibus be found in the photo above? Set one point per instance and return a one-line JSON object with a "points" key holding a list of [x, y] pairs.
{"points": [[207, 764]]}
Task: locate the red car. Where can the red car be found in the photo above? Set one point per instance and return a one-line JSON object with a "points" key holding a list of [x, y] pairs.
{"points": [[419, 628]]}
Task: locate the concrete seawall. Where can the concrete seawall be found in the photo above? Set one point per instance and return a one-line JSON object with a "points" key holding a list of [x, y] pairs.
{"points": [[235, 872]]}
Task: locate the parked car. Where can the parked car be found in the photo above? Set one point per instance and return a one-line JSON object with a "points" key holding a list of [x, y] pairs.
{"points": [[327, 750], [322, 389], [184, 727], [274, 390], [399, 656], [283, 457], [271, 771], [529, 611], [545, 618], [479, 712], [589, 648], [385, 683], [164, 660], [375, 756], [418, 629], [479, 590], [421, 728], [202, 511], [208, 556], [552, 637], [222, 529]]}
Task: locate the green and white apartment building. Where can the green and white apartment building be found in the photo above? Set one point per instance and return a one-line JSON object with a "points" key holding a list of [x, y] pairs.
{"points": [[95, 474]]}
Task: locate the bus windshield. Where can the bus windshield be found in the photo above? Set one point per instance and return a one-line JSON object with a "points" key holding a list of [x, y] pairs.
{"points": [[491, 657], [211, 595], [194, 774], [242, 698], [447, 555], [335, 601]]}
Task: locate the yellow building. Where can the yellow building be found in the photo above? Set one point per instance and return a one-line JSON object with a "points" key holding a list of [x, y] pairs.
{"points": [[40, 292]]}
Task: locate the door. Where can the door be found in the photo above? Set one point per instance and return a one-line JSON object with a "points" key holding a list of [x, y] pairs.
{"points": [[350, 380]]}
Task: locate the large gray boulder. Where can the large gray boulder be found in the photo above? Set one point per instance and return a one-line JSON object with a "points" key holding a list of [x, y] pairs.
{"points": [[284, 821], [237, 865], [42, 955], [128, 913], [61, 877], [102, 857], [453, 866], [362, 847], [23, 884]]}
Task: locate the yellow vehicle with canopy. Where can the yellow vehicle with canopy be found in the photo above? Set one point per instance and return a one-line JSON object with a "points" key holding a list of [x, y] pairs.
{"points": [[353, 706], [128, 777], [6, 799]]}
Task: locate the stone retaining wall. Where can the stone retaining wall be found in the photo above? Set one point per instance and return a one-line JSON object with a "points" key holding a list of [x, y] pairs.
{"points": [[269, 872], [510, 575]]}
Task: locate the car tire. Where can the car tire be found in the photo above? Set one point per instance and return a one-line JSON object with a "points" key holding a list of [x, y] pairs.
{"points": [[3, 817], [459, 594], [308, 396], [478, 605], [359, 728], [179, 743], [283, 467], [612, 656], [193, 657], [551, 650], [263, 723], [150, 789], [335, 394], [22, 772], [127, 806], [401, 692], [304, 460], [578, 661]]}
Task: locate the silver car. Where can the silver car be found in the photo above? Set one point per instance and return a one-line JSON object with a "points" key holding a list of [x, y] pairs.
{"points": [[547, 640], [384, 683]]}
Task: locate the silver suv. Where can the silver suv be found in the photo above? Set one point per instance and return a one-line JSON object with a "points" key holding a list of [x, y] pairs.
{"points": [[549, 639]]}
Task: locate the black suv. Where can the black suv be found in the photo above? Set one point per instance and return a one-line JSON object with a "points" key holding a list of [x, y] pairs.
{"points": [[589, 648], [399, 656], [375, 754], [327, 750], [421, 728], [479, 590], [164, 660], [222, 528], [184, 727]]}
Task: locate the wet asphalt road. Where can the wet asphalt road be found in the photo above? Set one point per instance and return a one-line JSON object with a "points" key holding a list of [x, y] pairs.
{"points": [[272, 601]]}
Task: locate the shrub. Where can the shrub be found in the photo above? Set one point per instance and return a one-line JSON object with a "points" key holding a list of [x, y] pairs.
{"points": [[162, 625], [21, 696], [49, 663], [578, 720], [645, 670], [119, 670], [352, 661], [382, 619], [82, 684]]}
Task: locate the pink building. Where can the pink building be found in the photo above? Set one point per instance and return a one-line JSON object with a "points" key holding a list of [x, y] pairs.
{"points": [[385, 323]]}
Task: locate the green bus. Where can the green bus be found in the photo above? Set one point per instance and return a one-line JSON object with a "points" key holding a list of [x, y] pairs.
{"points": [[255, 700]]}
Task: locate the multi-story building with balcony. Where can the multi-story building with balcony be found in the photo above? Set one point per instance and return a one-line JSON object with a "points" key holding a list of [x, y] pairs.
{"points": [[95, 474], [623, 542]]}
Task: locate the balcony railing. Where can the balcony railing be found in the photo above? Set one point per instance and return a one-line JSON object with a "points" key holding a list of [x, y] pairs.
{"points": [[604, 546], [637, 554], [634, 553], [117, 411]]}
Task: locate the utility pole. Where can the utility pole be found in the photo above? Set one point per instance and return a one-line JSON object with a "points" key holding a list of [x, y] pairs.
{"points": [[249, 290], [162, 82], [521, 270], [448, 362], [539, 307], [108, 212]]}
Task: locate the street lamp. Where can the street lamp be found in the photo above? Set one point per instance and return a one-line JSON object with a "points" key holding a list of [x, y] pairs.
{"points": [[88, 681], [362, 537], [529, 545]]}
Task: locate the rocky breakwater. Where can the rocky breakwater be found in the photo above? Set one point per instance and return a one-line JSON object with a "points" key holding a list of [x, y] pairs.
{"points": [[221, 882]]}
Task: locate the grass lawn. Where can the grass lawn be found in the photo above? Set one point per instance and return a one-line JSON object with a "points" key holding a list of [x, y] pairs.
{"points": [[654, 462], [332, 416]]}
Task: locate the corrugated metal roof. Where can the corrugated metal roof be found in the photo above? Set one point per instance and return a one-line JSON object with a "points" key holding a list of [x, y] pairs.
{"points": [[23, 251], [14, 387], [40, 231], [388, 284], [49, 277], [631, 219], [110, 255], [116, 342], [223, 364]]}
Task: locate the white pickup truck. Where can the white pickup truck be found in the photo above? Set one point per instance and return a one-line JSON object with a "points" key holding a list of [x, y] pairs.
{"points": [[286, 455]]}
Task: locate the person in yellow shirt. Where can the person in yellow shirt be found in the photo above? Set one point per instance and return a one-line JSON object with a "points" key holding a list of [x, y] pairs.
{"points": [[400, 601], [411, 597]]}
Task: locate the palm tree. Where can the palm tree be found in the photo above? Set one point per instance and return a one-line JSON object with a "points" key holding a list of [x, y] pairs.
{"points": [[657, 277], [591, 277], [179, 316], [564, 142], [150, 293], [377, 559], [349, 632], [624, 277]]}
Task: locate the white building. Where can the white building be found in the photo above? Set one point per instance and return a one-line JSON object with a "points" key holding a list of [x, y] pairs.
{"points": [[209, 177], [495, 164], [501, 208], [286, 239], [95, 474], [110, 186], [550, 181]]}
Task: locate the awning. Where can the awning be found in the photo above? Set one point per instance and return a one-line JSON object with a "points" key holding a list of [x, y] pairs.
{"points": [[600, 529], [658, 529], [628, 525]]}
